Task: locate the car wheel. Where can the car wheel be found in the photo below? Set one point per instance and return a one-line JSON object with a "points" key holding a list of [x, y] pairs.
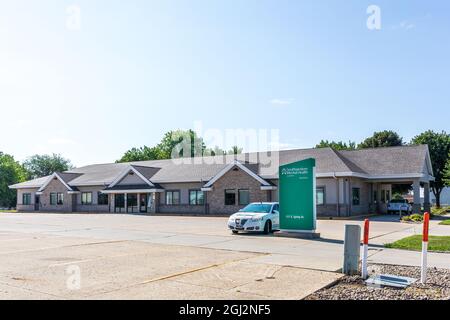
{"points": [[235, 231], [268, 227]]}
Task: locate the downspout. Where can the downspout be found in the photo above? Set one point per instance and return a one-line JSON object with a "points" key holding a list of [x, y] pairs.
{"points": [[337, 195]]}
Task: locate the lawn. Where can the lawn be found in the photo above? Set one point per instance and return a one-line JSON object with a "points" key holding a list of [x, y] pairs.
{"points": [[8, 211], [445, 223], [435, 243]]}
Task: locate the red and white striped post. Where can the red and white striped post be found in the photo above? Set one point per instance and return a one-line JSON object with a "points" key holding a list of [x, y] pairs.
{"points": [[364, 272], [426, 226]]}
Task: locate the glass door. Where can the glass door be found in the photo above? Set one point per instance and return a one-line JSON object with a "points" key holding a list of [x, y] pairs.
{"points": [[119, 203], [143, 203]]}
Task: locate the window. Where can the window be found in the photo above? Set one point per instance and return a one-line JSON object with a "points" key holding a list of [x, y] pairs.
{"points": [[375, 194], [383, 196], [320, 196], [172, 198], [60, 198], [53, 199], [276, 207], [56, 199], [102, 199], [86, 198], [230, 197], [26, 199], [244, 197], [196, 197], [388, 196], [356, 200]]}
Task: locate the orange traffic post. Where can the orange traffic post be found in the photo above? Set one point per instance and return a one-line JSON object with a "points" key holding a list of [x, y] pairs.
{"points": [[426, 226], [364, 272]]}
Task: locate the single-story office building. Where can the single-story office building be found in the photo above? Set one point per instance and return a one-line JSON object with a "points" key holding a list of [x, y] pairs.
{"points": [[348, 183]]}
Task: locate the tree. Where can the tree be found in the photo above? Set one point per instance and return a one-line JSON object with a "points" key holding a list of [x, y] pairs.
{"points": [[11, 172], [439, 146], [235, 150], [387, 138], [447, 172], [337, 145], [175, 144], [44, 165]]}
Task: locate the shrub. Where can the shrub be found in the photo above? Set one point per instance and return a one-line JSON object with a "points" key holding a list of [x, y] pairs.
{"points": [[413, 218], [439, 211]]}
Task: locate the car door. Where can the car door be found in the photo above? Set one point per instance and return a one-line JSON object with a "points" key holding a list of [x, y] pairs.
{"points": [[275, 217]]}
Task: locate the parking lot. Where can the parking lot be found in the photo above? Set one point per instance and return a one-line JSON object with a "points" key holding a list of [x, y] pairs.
{"points": [[107, 256]]}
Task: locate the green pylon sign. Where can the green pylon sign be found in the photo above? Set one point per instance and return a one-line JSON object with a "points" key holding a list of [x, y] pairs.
{"points": [[297, 196]]}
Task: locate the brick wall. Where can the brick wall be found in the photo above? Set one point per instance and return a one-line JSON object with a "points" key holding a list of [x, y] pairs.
{"points": [[56, 187], [234, 180]]}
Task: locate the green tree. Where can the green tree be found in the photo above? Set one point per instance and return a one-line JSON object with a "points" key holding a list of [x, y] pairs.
{"points": [[337, 145], [439, 146], [447, 172], [11, 172], [387, 138], [44, 165], [175, 144], [235, 150]]}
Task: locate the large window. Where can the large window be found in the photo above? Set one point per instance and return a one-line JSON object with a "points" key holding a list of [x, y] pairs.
{"points": [[244, 197], [56, 199], [102, 199], [320, 196], [60, 198], [26, 199], [230, 197], [196, 197], [172, 198], [86, 198], [356, 196], [53, 199]]}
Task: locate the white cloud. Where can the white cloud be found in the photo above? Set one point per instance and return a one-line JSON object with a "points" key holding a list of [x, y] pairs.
{"points": [[281, 102]]}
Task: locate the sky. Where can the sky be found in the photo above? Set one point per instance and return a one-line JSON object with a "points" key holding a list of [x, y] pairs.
{"points": [[93, 78]]}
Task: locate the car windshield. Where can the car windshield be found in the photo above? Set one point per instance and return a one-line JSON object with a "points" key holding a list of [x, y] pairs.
{"points": [[257, 207], [398, 201]]}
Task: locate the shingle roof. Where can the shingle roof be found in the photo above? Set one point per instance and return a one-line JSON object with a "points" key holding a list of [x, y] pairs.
{"points": [[379, 161]]}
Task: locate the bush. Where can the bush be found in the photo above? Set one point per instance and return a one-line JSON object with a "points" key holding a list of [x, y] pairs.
{"points": [[413, 218], [439, 211]]}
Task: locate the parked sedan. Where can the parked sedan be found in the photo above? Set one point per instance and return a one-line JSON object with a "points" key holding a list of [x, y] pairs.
{"points": [[394, 206], [256, 217]]}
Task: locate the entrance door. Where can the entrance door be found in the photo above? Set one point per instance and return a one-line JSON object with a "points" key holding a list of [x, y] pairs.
{"points": [[119, 203], [37, 201], [143, 203]]}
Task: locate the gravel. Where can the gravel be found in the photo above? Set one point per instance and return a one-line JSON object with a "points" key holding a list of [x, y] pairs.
{"points": [[437, 286]]}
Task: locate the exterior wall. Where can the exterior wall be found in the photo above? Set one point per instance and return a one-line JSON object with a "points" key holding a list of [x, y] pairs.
{"points": [[24, 208], [94, 207], [234, 180], [365, 197], [55, 186], [131, 179], [184, 206]]}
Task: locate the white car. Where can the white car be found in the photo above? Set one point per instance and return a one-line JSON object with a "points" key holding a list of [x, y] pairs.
{"points": [[256, 217], [394, 206]]}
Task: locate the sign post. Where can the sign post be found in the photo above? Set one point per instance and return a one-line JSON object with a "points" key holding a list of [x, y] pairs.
{"points": [[365, 250], [297, 197], [426, 224]]}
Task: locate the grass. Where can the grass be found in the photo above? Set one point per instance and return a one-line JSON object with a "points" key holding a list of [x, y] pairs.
{"points": [[445, 223], [414, 243], [8, 211], [413, 218]]}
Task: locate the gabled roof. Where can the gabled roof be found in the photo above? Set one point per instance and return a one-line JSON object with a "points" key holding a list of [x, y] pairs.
{"points": [[405, 161], [64, 178], [230, 166], [142, 172]]}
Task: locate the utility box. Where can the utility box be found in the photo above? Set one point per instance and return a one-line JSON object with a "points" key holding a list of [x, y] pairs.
{"points": [[352, 246]]}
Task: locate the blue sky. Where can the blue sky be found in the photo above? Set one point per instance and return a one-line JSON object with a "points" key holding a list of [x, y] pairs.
{"points": [[136, 69]]}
